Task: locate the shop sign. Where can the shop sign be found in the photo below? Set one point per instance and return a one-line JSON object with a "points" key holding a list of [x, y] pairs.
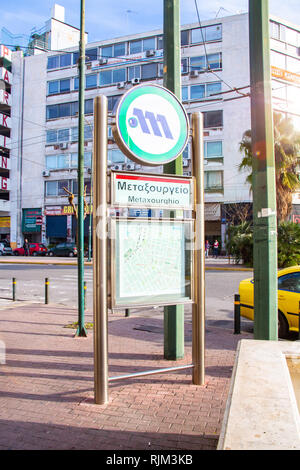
{"points": [[4, 222], [5, 98], [4, 183], [31, 220], [5, 75], [5, 142], [296, 219], [62, 210], [4, 162], [285, 75], [5, 121], [5, 53]]}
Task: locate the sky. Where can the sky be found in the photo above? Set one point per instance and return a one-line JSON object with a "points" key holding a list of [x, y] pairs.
{"points": [[115, 18]]}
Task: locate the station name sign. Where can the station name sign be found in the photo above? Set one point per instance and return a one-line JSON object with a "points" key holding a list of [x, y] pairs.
{"points": [[146, 190]]}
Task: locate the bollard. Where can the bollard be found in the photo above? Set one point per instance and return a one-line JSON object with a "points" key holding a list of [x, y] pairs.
{"points": [[46, 290], [14, 282], [84, 294], [237, 314], [127, 312]]}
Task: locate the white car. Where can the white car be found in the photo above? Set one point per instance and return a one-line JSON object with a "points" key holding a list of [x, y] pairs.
{"points": [[5, 249]]}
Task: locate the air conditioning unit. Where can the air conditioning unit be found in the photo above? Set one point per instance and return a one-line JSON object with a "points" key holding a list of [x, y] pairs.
{"points": [[135, 81], [46, 173], [89, 170], [121, 85], [102, 61], [194, 73], [116, 167], [63, 146], [185, 163], [150, 53], [130, 166]]}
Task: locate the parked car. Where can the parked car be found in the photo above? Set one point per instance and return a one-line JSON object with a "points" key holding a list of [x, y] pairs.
{"points": [[63, 249], [288, 300], [5, 249], [35, 249]]}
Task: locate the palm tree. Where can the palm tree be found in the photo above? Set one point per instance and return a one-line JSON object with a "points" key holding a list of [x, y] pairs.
{"points": [[287, 155]]}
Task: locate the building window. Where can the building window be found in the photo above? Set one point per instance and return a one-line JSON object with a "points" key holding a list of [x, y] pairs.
{"points": [[110, 77], [142, 45], [213, 119], [149, 71], [184, 65], [213, 181], [201, 63], [213, 149], [59, 61], [91, 54], [185, 37], [206, 34], [185, 93], [199, 92], [115, 156], [160, 42], [115, 50], [55, 111], [91, 81], [112, 102], [59, 86], [134, 72]]}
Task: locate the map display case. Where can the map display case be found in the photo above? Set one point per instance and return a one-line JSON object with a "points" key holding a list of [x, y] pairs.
{"points": [[151, 262]]}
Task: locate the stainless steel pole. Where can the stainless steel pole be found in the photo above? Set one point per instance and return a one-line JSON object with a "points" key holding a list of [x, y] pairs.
{"points": [[198, 346], [100, 251]]}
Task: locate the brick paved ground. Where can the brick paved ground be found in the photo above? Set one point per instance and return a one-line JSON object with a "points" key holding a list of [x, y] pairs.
{"points": [[46, 385]]}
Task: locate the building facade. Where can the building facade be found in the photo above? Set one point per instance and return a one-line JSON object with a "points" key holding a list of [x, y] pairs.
{"points": [[215, 81]]}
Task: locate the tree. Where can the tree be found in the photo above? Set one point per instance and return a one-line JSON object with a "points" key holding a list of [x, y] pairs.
{"points": [[287, 154]]}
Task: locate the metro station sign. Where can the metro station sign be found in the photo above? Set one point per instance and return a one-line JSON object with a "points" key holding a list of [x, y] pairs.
{"points": [[151, 191], [152, 126]]}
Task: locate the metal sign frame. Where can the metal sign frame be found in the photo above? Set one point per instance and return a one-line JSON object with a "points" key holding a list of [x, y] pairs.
{"points": [[101, 258]]}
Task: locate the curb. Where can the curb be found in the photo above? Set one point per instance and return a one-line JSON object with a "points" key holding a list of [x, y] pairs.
{"points": [[58, 263]]}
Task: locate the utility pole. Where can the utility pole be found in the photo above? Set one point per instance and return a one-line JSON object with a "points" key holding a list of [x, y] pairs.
{"points": [[81, 331], [264, 186], [173, 315]]}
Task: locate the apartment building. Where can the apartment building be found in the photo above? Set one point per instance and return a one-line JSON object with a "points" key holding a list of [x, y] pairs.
{"points": [[215, 81]]}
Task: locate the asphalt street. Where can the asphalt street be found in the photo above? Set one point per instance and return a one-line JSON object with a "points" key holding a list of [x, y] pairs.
{"points": [[30, 286]]}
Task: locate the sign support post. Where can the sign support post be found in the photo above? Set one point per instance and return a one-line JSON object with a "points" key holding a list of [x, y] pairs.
{"points": [[198, 311], [173, 315], [264, 184], [81, 331], [100, 251]]}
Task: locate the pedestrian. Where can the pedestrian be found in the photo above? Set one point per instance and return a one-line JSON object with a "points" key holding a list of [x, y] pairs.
{"points": [[26, 247], [207, 246], [216, 249]]}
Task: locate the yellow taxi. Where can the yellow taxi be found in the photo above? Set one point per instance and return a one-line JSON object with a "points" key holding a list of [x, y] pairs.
{"points": [[288, 300]]}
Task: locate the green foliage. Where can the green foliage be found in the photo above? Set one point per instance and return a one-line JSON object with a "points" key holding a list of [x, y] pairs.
{"points": [[288, 244], [286, 153], [240, 243]]}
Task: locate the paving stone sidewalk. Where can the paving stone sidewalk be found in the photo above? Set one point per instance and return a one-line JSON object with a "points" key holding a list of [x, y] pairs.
{"points": [[47, 385]]}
